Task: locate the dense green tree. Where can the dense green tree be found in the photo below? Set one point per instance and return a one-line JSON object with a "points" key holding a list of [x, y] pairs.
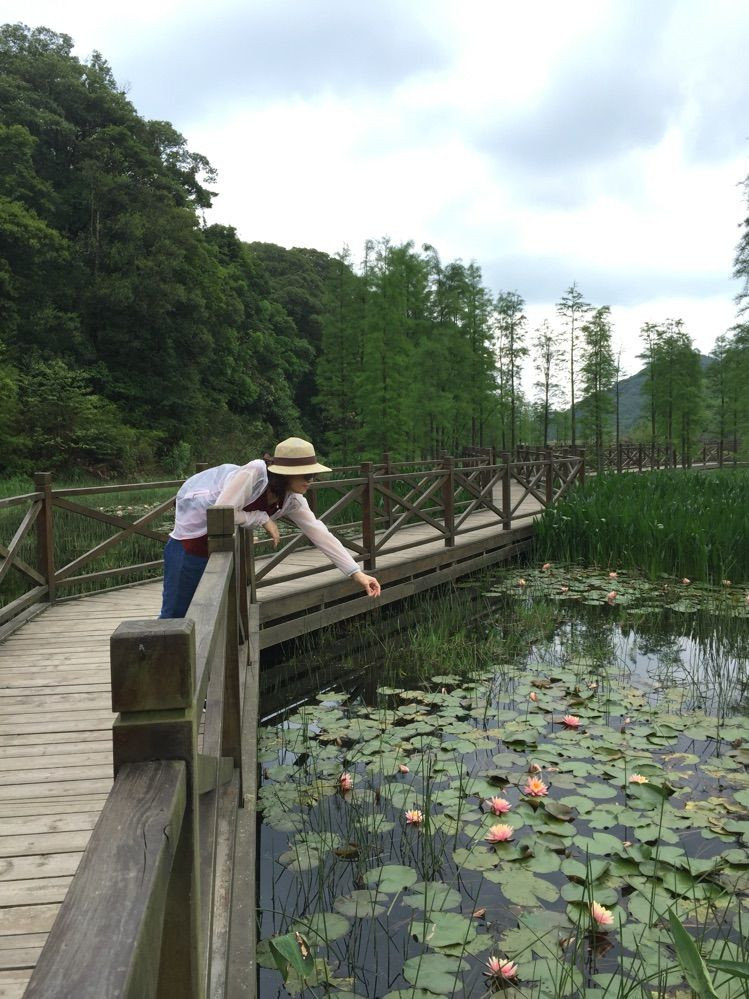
{"points": [[547, 356], [598, 372], [511, 323], [339, 361], [572, 310], [674, 384]]}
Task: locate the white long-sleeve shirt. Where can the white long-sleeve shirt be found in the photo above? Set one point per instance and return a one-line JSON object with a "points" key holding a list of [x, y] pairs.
{"points": [[238, 486]]}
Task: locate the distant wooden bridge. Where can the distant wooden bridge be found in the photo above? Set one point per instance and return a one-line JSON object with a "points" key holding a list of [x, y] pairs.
{"points": [[162, 901]]}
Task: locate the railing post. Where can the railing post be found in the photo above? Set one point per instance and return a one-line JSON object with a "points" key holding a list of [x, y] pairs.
{"points": [[720, 453], [367, 516], [387, 502], [549, 462], [506, 492], [251, 580], [153, 689], [448, 499], [581, 471], [244, 611], [45, 538], [639, 457], [619, 450], [222, 538]]}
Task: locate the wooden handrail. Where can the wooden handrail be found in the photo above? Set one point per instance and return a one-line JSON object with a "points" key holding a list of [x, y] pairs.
{"points": [[106, 939], [146, 888]]}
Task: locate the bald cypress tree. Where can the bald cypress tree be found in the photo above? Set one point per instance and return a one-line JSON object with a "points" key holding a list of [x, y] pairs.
{"points": [[572, 310]]}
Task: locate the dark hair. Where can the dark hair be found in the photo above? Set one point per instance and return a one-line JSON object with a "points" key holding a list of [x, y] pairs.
{"points": [[278, 483]]}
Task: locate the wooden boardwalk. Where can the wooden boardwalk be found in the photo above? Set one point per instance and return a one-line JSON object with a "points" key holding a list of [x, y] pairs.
{"points": [[56, 717]]}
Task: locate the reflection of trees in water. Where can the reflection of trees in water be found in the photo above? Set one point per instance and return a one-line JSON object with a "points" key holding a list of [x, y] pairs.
{"points": [[703, 653]]}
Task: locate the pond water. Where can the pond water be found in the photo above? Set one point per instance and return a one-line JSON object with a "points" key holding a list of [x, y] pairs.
{"points": [[539, 774]]}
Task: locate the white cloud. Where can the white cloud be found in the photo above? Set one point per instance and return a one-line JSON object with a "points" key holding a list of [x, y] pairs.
{"points": [[594, 141]]}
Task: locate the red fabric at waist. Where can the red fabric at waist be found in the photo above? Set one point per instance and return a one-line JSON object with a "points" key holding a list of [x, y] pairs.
{"points": [[196, 546]]}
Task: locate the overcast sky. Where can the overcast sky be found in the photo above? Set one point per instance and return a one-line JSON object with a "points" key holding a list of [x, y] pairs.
{"points": [[597, 142]]}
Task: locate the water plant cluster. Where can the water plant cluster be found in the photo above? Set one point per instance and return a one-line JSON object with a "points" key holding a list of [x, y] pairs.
{"points": [[622, 588], [684, 523], [545, 827]]}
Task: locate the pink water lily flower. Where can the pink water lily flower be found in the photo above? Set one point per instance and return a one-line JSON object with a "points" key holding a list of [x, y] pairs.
{"points": [[521, 582], [345, 781], [535, 787], [726, 582], [571, 721], [501, 969], [545, 566], [500, 833], [499, 806], [565, 589], [402, 768], [603, 917], [533, 696], [638, 779], [414, 817], [611, 597], [686, 581], [612, 575]]}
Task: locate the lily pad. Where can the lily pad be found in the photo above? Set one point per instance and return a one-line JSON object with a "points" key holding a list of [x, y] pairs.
{"points": [[391, 878], [359, 905], [433, 896], [436, 973]]}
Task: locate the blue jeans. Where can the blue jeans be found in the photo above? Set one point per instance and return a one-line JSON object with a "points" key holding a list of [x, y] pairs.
{"points": [[182, 573]]}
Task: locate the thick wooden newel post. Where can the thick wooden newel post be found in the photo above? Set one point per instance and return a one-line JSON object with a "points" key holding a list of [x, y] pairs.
{"points": [[45, 538], [153, 689], [367, 516], [506, 492], [549, 462], [222, 537], [448, 499]]}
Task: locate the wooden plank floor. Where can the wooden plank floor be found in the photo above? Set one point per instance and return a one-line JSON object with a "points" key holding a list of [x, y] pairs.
{"points": [[55, 737]]}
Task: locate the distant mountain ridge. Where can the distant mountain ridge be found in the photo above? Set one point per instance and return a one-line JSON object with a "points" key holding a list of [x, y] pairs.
{"points": [[631, 400]]}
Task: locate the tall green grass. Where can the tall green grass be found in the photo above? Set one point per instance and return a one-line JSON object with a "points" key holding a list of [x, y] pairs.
{"points": [[684, 523]]}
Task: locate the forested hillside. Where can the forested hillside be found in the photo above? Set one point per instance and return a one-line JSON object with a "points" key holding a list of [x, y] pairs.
{"points": [[133, 335]]}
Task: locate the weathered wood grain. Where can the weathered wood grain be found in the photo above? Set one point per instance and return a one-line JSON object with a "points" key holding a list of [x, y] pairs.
{"points": [[116, 903]]}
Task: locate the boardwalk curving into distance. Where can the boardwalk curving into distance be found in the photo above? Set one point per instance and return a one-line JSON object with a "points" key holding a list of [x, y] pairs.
{"points": [[56, 717]]}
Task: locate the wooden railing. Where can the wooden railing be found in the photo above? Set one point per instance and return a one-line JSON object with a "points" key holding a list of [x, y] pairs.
{"points": [[41, 543], [148, 912], [367, 506], [624, 457], [373, 508]]}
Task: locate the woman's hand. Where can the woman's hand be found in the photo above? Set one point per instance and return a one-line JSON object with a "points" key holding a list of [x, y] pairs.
{"points": [[368, 583], [272, 531]]}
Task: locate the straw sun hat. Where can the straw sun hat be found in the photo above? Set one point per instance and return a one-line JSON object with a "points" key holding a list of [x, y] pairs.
{"points": [[295, 457]]}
